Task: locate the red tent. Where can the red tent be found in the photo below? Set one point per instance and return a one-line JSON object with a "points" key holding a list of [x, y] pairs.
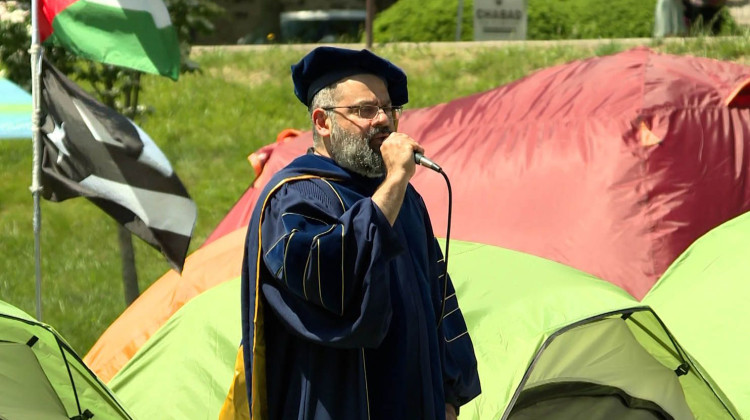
{"points": [[612, 165]]}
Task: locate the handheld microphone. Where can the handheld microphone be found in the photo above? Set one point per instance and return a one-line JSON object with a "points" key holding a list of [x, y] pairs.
{"points": [[427, 163]]}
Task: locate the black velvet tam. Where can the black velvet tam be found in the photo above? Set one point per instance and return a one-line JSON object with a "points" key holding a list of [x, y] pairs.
{"points": [[323, 66]]}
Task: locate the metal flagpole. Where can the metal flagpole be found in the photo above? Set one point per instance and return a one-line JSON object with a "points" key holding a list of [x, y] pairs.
{"points": [[36, 189]]}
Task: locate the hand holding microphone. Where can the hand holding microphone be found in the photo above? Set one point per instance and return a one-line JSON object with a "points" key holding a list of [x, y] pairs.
{"points": [[416, 153]]}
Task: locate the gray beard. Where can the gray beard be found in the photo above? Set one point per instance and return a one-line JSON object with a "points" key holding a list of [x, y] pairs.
{"points": [[353, 152]]}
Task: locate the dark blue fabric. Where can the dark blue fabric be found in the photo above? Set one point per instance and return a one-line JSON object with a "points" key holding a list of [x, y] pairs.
{"points": [[352, 304], [325, 65]]}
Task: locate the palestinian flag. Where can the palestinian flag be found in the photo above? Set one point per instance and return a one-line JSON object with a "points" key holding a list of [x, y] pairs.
{"points": [[130, 33], [90, 150]]}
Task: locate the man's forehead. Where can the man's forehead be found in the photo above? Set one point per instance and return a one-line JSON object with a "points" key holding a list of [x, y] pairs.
{"points": [[366, 87]]}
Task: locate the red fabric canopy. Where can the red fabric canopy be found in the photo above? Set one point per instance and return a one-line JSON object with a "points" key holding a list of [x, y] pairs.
{"points": [[612, 165]]}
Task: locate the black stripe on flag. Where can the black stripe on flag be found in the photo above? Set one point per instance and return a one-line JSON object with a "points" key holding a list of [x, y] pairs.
{"points": [[92, 151]]}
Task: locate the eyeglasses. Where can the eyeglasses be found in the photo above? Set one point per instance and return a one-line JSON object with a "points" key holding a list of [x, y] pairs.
{"points": [[369, 112]]}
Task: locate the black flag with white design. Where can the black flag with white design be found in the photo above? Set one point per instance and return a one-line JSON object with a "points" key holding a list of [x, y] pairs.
{"points": [[92, 151]]}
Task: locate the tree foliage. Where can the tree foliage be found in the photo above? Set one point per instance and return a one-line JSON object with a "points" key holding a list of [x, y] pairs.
{"points": [[115, 86], [590, 19], [423, 21], [15, 41]]}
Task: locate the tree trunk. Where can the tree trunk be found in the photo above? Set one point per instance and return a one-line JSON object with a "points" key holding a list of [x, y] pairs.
{"points": [[369, 17], [125, 238], [268, 20], [129, 275]]}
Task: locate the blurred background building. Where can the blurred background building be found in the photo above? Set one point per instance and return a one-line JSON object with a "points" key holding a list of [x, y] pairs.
{"points": [[740, 11], [292, 21], [260, 21]]}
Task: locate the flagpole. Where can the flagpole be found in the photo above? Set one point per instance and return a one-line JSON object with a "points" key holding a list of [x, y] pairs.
{"points": [[35, 53]]}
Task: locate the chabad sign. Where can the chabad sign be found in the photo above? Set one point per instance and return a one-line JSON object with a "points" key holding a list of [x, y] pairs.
{"points": [[499, 20]]}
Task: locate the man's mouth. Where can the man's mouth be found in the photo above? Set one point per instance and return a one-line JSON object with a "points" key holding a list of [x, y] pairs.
{"points": [[381, 136]]}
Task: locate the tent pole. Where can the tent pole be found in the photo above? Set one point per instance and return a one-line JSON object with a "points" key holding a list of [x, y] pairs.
{"points": [[35, 53]]}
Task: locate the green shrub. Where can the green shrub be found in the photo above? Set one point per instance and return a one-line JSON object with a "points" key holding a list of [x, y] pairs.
{"points": [[435, 20], [586, 19], [423, 21], [721, 24]]}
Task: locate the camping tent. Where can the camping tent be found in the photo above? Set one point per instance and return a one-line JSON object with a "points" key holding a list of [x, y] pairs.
{"points": [[204, 268], [15, 111], [612, 165], [543, 333], [42, 378], [614, 179], [703, 298]]}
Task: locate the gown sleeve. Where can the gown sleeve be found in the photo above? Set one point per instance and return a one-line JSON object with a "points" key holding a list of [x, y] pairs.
{"points": [[327, 264], [460, 375], [459, 363]]}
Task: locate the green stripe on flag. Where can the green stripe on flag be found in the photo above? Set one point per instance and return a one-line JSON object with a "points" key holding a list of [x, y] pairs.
{"points": [[121, 37]]}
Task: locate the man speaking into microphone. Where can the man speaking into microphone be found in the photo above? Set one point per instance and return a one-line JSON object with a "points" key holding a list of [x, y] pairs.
{"points": [[343, 281]]}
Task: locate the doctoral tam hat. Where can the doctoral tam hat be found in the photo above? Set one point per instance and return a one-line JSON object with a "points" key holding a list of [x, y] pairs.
{"points": [[325, 65]]}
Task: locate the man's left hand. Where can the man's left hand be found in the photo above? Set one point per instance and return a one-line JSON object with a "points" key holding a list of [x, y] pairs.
{"points": [[450, 412]]}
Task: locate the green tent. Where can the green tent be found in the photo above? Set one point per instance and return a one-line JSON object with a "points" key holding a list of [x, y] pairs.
{"points": [[703, 298], [551, 341], [184, 370], [42, 378]]}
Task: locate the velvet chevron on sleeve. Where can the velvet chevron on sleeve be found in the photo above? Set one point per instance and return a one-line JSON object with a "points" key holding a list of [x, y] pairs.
{"points": [[329, 265]]}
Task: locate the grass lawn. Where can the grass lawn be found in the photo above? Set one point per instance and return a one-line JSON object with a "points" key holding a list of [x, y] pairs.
{"points": [[207, 124]]}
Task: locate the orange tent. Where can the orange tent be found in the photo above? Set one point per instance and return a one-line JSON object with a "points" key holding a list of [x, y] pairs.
{"points": [[203, 269]]}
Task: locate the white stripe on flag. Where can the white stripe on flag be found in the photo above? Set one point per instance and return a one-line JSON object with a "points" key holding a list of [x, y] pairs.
{"points": [[172, 212], [156, 8], [152, 155]]}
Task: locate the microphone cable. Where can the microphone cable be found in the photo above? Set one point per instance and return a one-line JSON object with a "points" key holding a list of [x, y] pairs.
{"points": [[447, 246], [421, 160]]}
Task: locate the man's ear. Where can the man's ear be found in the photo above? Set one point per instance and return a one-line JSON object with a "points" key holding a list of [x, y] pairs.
{"points": [[321, 122]]}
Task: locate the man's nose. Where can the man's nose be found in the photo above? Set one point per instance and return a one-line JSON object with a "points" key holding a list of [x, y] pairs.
{"points": [[381, 118]]}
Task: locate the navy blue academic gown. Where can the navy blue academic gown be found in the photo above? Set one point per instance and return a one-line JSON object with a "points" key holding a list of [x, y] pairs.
{"points": [[345, 324]]}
